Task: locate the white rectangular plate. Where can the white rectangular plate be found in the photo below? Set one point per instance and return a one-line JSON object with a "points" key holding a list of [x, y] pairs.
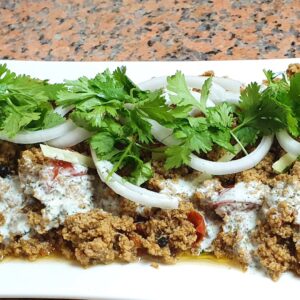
{"points": [[185, 280]]}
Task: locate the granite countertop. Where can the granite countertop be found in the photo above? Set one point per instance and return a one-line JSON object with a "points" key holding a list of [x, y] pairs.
{"points": [[149, 29]]}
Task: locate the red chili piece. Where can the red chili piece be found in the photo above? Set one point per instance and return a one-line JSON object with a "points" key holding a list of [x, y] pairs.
{"points": [[59, 164], [198, 221]]}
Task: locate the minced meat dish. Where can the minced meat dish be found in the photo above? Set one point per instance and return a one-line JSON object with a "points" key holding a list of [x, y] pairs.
{"points": [[111, 193]]}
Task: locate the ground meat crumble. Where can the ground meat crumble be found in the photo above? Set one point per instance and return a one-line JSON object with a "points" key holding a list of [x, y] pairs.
{"points": [[225, 247], [123, 231], [277, 239], [99, 237]]}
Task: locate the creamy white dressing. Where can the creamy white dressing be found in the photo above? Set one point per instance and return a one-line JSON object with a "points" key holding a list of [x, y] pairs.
{"points": [[212, 230], [242, 222], [12, 201], [284, 191], [251, 192], [63, 191], [243, 196], [104, 200], [237, 206], [187, 188]]}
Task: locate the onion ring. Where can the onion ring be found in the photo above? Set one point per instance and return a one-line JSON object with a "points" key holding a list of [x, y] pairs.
{"points": [[130, 191], [70, 139], [40, 136], [164, 135], [289, 144], [217, 93]]}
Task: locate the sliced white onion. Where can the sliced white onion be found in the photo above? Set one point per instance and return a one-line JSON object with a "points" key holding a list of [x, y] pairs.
{"points": [[62, 111], [234, 166], [67, 155], [231, 97], [130, 191], [40, 136], [164, 135], [228, 84], [217, 93], [289, 144], [70, 139]]}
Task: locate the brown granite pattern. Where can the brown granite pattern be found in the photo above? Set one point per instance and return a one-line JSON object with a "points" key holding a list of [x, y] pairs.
{"points": [[149, 29]]}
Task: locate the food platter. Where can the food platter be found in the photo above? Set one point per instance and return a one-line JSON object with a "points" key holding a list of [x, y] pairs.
{"points": [[55, 278]]}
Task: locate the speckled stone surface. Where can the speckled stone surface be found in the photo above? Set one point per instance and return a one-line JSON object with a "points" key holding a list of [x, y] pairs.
{"points": [[149, 30]]}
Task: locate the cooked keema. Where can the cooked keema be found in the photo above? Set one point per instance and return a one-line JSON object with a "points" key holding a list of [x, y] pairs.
{"points": [[102, 170]]}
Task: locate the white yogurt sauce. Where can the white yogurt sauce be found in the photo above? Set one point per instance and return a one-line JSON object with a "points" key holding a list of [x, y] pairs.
{"points": [[212, 230], [187, 188], [12, 201], [283, 191], [68, 193], [251, 192], [242, 222]]}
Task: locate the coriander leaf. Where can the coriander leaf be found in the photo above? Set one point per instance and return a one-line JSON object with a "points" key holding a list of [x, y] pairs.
{"points": [[200, 141], [247, 135], [198, 122], [205, 93], [176, 156], [140, 126], [262, 110], [250, 97], [102, 143], [155, 108], [220, 115], [18, 119], [294, 94], [52, 90], [179, 91], [221, 138], [270, 75], [180, 112], [142, 173], [52, 119], [120, 75], [25, 103]]}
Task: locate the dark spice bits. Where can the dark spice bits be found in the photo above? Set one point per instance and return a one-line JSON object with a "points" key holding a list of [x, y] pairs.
{"points": [[162, 241], [4, 171]]}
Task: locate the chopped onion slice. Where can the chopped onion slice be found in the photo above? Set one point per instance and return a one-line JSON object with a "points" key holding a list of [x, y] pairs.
{"points": [[164, 135], [284, 163], [130, 191], [289, 144], [217, 93], [234, 166], [228, 84], [70, 139], [40, 136], [67, 155], [62, 111]]}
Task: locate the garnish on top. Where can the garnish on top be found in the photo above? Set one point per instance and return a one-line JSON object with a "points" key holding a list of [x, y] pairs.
{"points": [[119, 114]]}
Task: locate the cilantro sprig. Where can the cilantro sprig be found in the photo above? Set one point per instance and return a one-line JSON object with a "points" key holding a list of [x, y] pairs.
{"points": [[264, 112], [118, 113], [25, 103], [113, 107], [196, 134]]}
